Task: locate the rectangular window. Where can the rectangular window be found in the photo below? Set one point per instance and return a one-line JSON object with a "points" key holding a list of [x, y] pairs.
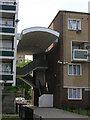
{"points": [[10, 23], [7, 22], [6, 44], [75, 93], [5, 67], [74, 24], [74, 69]]}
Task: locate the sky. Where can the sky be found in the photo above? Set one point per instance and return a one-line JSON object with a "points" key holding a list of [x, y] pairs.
{"points": [[34, 13]]}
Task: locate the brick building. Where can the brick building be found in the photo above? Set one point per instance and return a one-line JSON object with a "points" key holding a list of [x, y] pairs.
{"points": [[63, 47]]}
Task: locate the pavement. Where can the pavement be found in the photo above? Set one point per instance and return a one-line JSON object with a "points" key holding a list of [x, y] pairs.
{"points": [[54, 113], [11, 115]]}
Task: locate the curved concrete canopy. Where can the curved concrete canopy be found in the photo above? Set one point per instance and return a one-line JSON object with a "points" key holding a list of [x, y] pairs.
{"points": [[36, 40]]}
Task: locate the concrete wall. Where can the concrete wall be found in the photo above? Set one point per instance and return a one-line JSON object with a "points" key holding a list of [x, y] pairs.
{"points": [[8, 105]]}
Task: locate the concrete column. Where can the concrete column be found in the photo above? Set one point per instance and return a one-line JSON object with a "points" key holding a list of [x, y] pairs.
{"points": [[1, 88], [89, 7]]}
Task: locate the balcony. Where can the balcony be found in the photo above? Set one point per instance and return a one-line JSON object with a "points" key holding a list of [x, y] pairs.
{"points": [[6, 29], [6, 67], [79, 51], [8, 7], [7, 53], [79, 55], [6, 77]]}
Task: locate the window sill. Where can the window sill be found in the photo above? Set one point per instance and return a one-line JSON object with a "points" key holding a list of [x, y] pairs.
{"points": [[73, 29], [74, 99], [75, 75]]}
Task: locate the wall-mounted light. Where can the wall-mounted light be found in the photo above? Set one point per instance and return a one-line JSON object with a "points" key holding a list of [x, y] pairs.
{"points": [[17, 20], [59, 62]]}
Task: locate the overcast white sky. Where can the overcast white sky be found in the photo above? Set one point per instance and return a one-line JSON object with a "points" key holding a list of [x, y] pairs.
{"points": [[34, 13]]}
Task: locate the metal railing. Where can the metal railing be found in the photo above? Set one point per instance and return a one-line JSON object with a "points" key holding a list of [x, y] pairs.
{"points": [[6, 48], [7, 72], [7, 3]]}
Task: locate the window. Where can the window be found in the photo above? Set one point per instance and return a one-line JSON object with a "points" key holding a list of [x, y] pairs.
{"points": [[6, 44], [5, 67], [74, 69], [74, 24], [20, 56], [6, 22], [75, 93], [20, 60], [10, 23]]}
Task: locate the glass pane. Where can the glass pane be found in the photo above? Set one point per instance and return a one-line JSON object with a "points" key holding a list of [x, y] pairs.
{"points": [[74, 93], [0, 67], [7, 44], [70, 92], [69, 24], [10, 23], [74, 69], [0, 22], [74, 24], [70, 69], [78, 69], [0, 44], [78, 25], [78, 92], [8, 68]]}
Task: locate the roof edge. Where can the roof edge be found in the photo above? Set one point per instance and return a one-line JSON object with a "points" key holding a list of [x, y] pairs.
{"points": [[38, 29]]}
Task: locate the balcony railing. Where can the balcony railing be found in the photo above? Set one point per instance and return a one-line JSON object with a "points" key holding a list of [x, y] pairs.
{"points": [[7, 53], [6, 29], [6, 77], [6, 71], [79, 55], [10, 6], [6, 48]]}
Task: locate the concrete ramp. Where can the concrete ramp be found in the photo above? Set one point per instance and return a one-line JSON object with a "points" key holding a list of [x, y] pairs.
{"points": [[38, 113]]}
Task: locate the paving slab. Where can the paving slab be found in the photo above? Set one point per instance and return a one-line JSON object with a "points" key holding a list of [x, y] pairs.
{"points": [[54, 113]]}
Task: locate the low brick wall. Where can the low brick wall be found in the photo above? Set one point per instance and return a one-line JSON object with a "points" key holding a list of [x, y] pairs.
{"points": [[8, 105]]}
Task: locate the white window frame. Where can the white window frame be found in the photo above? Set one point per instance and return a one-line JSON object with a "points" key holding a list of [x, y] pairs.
{"points": [[76, 94], [76, 69], [87, 89], [79, 58], [75, 20]]}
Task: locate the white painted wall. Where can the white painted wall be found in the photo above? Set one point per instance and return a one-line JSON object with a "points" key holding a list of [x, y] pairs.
{"points": [[15, 47], [46, 100], [89, 7]]}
